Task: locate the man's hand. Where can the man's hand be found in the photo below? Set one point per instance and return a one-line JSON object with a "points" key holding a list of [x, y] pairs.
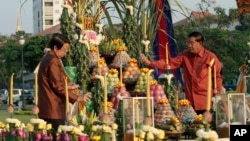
{"points": [[85, 98], [144, 59], [207, 116]]}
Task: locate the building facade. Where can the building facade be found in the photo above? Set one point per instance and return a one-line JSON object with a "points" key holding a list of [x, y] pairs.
{"points": [[46, 13]]}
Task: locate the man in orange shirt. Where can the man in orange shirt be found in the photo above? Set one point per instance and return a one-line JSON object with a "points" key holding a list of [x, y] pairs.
{"points": [[194, 63]]}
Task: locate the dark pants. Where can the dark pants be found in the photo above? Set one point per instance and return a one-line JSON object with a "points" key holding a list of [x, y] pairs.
{"points": [[200, 112], [55, 124]]}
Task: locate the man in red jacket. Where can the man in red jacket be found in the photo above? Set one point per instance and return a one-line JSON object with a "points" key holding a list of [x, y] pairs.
{"points": [[194, 63]]}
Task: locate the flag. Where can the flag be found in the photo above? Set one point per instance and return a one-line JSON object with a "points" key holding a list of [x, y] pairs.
{"points": [[165, 35]]}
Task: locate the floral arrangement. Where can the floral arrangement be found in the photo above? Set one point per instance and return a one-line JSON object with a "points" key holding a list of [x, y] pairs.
{"points": [[38, 129], [72, 133], [150, 133], [13, 130], [209, 135], [103, 132]]}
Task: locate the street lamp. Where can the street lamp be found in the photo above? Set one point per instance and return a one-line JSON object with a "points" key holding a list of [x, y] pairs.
{"points": [[21, 43]]}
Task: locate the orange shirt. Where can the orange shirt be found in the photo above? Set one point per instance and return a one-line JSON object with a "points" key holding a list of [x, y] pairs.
{"points": [[195, 74]]}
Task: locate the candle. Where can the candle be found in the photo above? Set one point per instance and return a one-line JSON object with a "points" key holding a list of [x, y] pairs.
{"points": [[137, 111], [105, 95], [215, 84], [121, 73], [209, 85], [11, 90], [148, 93], [83, 22], [230, 105], [145, 24], [36, 90], [66, 94], [167, 53]]}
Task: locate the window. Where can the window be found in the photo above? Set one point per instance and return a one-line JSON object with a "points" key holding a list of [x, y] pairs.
{"points": [[48, 3], [48, 22]]}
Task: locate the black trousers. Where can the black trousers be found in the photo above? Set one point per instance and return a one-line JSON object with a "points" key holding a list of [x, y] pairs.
{"points": [[200, 112], [55, 124]]}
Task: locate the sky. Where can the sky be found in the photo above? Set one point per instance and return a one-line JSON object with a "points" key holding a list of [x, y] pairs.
{"points": [[9, 13]]}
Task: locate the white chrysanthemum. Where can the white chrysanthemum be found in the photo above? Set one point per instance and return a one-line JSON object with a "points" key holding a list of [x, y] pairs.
{"points": [[66, 128], [37, 121], [13, 120], [202, 134], [146, 128]]}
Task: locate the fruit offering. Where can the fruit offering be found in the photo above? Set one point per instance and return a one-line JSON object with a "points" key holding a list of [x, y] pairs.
{"points": [[157, 91], [93, 56], [110, 115], [141, 84], [108, 48], [131, 72], [100, 69], [112, 79], [185, 111], [119, 92], [163, 111], [121, 57]]}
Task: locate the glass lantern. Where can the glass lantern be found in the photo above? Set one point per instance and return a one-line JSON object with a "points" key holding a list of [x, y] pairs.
{"points": [[135, 112]]}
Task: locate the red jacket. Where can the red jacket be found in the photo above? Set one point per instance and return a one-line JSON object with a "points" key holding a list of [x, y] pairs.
{"points": [[195, 74]]}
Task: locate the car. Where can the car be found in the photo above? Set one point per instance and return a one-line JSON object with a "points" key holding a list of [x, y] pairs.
{"points": [[3, 95], [29, 97], [17, 93]]}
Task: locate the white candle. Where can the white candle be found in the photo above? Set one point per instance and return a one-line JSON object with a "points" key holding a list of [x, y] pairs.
{"points": [[148, 93], [66, 94], [11, 90], [145, 24], [105, 95], [209, 86], [36, 90]]}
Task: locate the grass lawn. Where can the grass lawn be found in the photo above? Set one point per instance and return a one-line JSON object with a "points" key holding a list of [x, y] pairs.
{"points": [[23, 116]]}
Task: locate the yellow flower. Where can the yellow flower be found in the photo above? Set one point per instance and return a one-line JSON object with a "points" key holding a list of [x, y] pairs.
{"points": [[48, 127], [81, 127], [96, 138], [42, 125], [161, 134], [150, 136], [30, 127], [75, 131], [142, 134], [74, 121], [2, 125], [114, 126], [59, 129], [94, 128], [105, 128]]}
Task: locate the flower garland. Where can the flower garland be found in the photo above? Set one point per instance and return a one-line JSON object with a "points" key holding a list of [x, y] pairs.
{"points": [[208, 135]]}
